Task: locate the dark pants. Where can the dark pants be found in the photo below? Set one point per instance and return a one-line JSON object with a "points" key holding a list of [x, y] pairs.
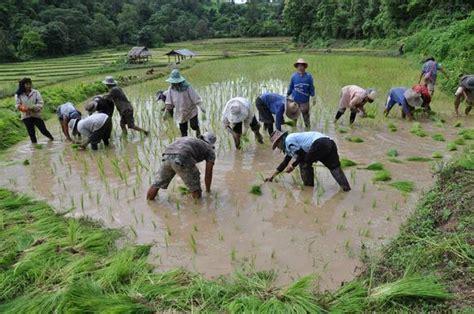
{"points": [[340, 112], [194, 123], [265, 115], [323, 150], [102, 134], [30, 124], [254, 126]]}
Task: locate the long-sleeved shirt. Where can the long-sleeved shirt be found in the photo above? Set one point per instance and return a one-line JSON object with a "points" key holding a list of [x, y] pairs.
{"points": [[91, 124], [33, 101], [352, 96], [185, 103], [297, 145], [119, 98], [245, 112], [397, 96], [430, 70], [276, 104], [301, 87]]}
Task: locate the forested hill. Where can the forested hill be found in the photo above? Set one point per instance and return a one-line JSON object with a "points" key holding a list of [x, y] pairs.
{"points": [[34, 28]]}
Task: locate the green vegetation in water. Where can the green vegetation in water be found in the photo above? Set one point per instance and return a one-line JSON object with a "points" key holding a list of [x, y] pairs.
{"points": [[392, 127], [39, 146], [467, 134], [375, 166], [452, 146], [437, 155], [256, 190], [382, 175], [342, 130], [417, 129], [392, 152], [183, 190], [355, 139], [26, 162], [418, 158], [459, 141], [403, 186], [458, 124], [291, 123], [438, 137], [395, 160], [346, 163]]}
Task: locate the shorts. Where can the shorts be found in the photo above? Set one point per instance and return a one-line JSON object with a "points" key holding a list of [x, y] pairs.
{"points": [[126, 118], [183, 167], [324, 150]]}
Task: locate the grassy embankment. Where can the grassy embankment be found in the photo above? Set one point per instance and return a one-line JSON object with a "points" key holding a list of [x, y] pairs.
{"points": [[52, 263]]}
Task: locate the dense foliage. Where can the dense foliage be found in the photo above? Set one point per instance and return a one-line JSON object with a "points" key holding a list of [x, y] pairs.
{"points": [[33, 28]]}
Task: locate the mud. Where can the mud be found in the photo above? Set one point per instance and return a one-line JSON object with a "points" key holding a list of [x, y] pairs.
{"points": [[289, 228]]}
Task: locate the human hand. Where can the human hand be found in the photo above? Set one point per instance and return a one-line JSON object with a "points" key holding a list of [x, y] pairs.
{"points": [[269, 179], [151, 194], [290, 169]]}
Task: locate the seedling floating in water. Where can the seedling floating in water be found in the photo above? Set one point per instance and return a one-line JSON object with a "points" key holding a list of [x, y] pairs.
{"points": [[452, 147], [342, 130], [392, 127], [355, 139], [375, 166], [418, 158], [403, 186], [459, 141], [438, 137], [392, 152], [26, 162], [458, 124], [345, 163], [437, 155], [39, 146], [183, 190], [418, 130], [382, 175], [256, 190], [467, 134]]}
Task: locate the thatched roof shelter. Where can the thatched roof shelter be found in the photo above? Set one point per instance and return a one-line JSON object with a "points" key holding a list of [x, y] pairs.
{"points": [[180, 54], [138, 55]]}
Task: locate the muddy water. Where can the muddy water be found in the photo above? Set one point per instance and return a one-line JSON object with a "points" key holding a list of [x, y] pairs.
{"points": [[292, 229]]}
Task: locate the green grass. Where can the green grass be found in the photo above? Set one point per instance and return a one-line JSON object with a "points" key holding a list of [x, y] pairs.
{"points": [[375, 166], [403, 186], [418, 158], [346, 163], [438, 137], [382, 175], [355, 139], [392, 152]]}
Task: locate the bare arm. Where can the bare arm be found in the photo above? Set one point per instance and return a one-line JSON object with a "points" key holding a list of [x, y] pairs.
{"points": [[65, 128], [208, 175]]}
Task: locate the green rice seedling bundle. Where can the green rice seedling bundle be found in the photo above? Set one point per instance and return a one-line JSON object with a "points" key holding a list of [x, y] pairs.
{"points": [[438, 137], [183, 190], [382, 175], [437, 155], [346, 163], [458, 124], [467, 134], [375, 166], [26, 162], [418, 158], [403, 186], [256, 189], [395, 160], [342, 130], [355, 139], [392, 127], [392, 152], [452, 146], [459, 141], [418, 130]]}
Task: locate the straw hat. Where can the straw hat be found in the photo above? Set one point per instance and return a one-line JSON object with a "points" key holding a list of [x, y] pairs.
{"points": [[175, 77], [413, 98], [300, 61], [237, 112], [371, 94], [292, 110], [209, 138], [109, 81], [276, 137]]}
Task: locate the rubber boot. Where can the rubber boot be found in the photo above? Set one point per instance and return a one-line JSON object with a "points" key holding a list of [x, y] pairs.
{"points": [[341, 179]]}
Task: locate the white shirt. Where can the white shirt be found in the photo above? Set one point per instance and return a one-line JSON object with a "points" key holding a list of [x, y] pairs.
{"points": [[92, 123], [246, 111]]}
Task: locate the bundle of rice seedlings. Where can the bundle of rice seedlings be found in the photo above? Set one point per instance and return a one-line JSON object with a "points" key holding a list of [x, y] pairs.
{"points": [[342, 130], [418, 158], [351, 298], [355, 139], [459, 141], [395, 160], [375, 166], [418, 130], [26, 162], [183, 190], [39, 146], [256, 189], [458, 124], [403, 186], [438, 137], [346, 163], [392, 127], [382, 175], [392, 152], [436, 155], [467, 134], [452, 146], [413, 286]]}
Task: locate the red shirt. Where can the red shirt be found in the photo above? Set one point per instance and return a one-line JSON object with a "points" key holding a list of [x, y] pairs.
{"points": [[425, 93]]}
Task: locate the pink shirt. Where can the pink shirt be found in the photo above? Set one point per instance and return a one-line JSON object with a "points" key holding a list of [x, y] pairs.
{"points": [[352, 95]]}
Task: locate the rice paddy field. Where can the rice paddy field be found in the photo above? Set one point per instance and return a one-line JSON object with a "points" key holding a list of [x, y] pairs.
{"points": [[286, 227]]}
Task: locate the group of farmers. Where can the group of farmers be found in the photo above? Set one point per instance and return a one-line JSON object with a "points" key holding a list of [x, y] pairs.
{"points": [[183, 103]]}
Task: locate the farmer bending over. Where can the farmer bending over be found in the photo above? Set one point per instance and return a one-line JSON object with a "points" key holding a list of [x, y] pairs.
{"points": [[238, 114], [405, 97], [465, 92], [429, 73], [100, 104], [184, 101], [269, 104], [181, 157], [95, 128], [354, 98], [65, 113], [124, 107], [307, 148], [301, 88]]}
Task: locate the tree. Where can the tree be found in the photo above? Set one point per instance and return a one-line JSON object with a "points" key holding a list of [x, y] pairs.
{"points": [[104, 31], [128, 24], [54, 35], [31, 45]]}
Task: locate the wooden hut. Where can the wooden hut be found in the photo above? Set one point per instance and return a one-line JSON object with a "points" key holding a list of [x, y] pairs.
{"points": [[138, 55], [180, 54]]}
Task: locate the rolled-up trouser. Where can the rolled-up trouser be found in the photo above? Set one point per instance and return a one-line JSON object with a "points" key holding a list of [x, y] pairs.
{"points": [[254, 126], [265, 115], [182, 166], [304, 108], [102, 134]]}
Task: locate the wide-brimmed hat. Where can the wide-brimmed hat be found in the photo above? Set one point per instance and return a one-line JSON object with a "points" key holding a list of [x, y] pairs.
{"points": [[209, 138], [300, 61], [237, 112], [292, 110], [413, 98], [468, 82], [371, 94], [276, 138], [175, 77], [109, 81]]}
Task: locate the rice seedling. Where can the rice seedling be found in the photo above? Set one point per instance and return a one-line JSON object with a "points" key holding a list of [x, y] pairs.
{"points": [[458, 124], [374, 203], [375, 166], [418, 159], [467, 134], [26, 162], [193, 244], [382, 175], [183, 190], [403, 186], [392, 152], [355, 139], [346, 163], [392, 127], [437, 155], [256, 190], [38, 146], [451, 146], [459, 141], [438, 137], [342, 130], [395, 160], [417, 130]]}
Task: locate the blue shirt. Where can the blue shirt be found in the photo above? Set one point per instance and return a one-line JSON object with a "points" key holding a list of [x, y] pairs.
{"points": [[430, 69], [303, 140], [301, 87], [276, 104], [67, 111], [397, 95]]}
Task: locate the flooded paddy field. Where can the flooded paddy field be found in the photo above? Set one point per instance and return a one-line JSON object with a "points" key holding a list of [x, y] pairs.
{"points": [[292, 229]]}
